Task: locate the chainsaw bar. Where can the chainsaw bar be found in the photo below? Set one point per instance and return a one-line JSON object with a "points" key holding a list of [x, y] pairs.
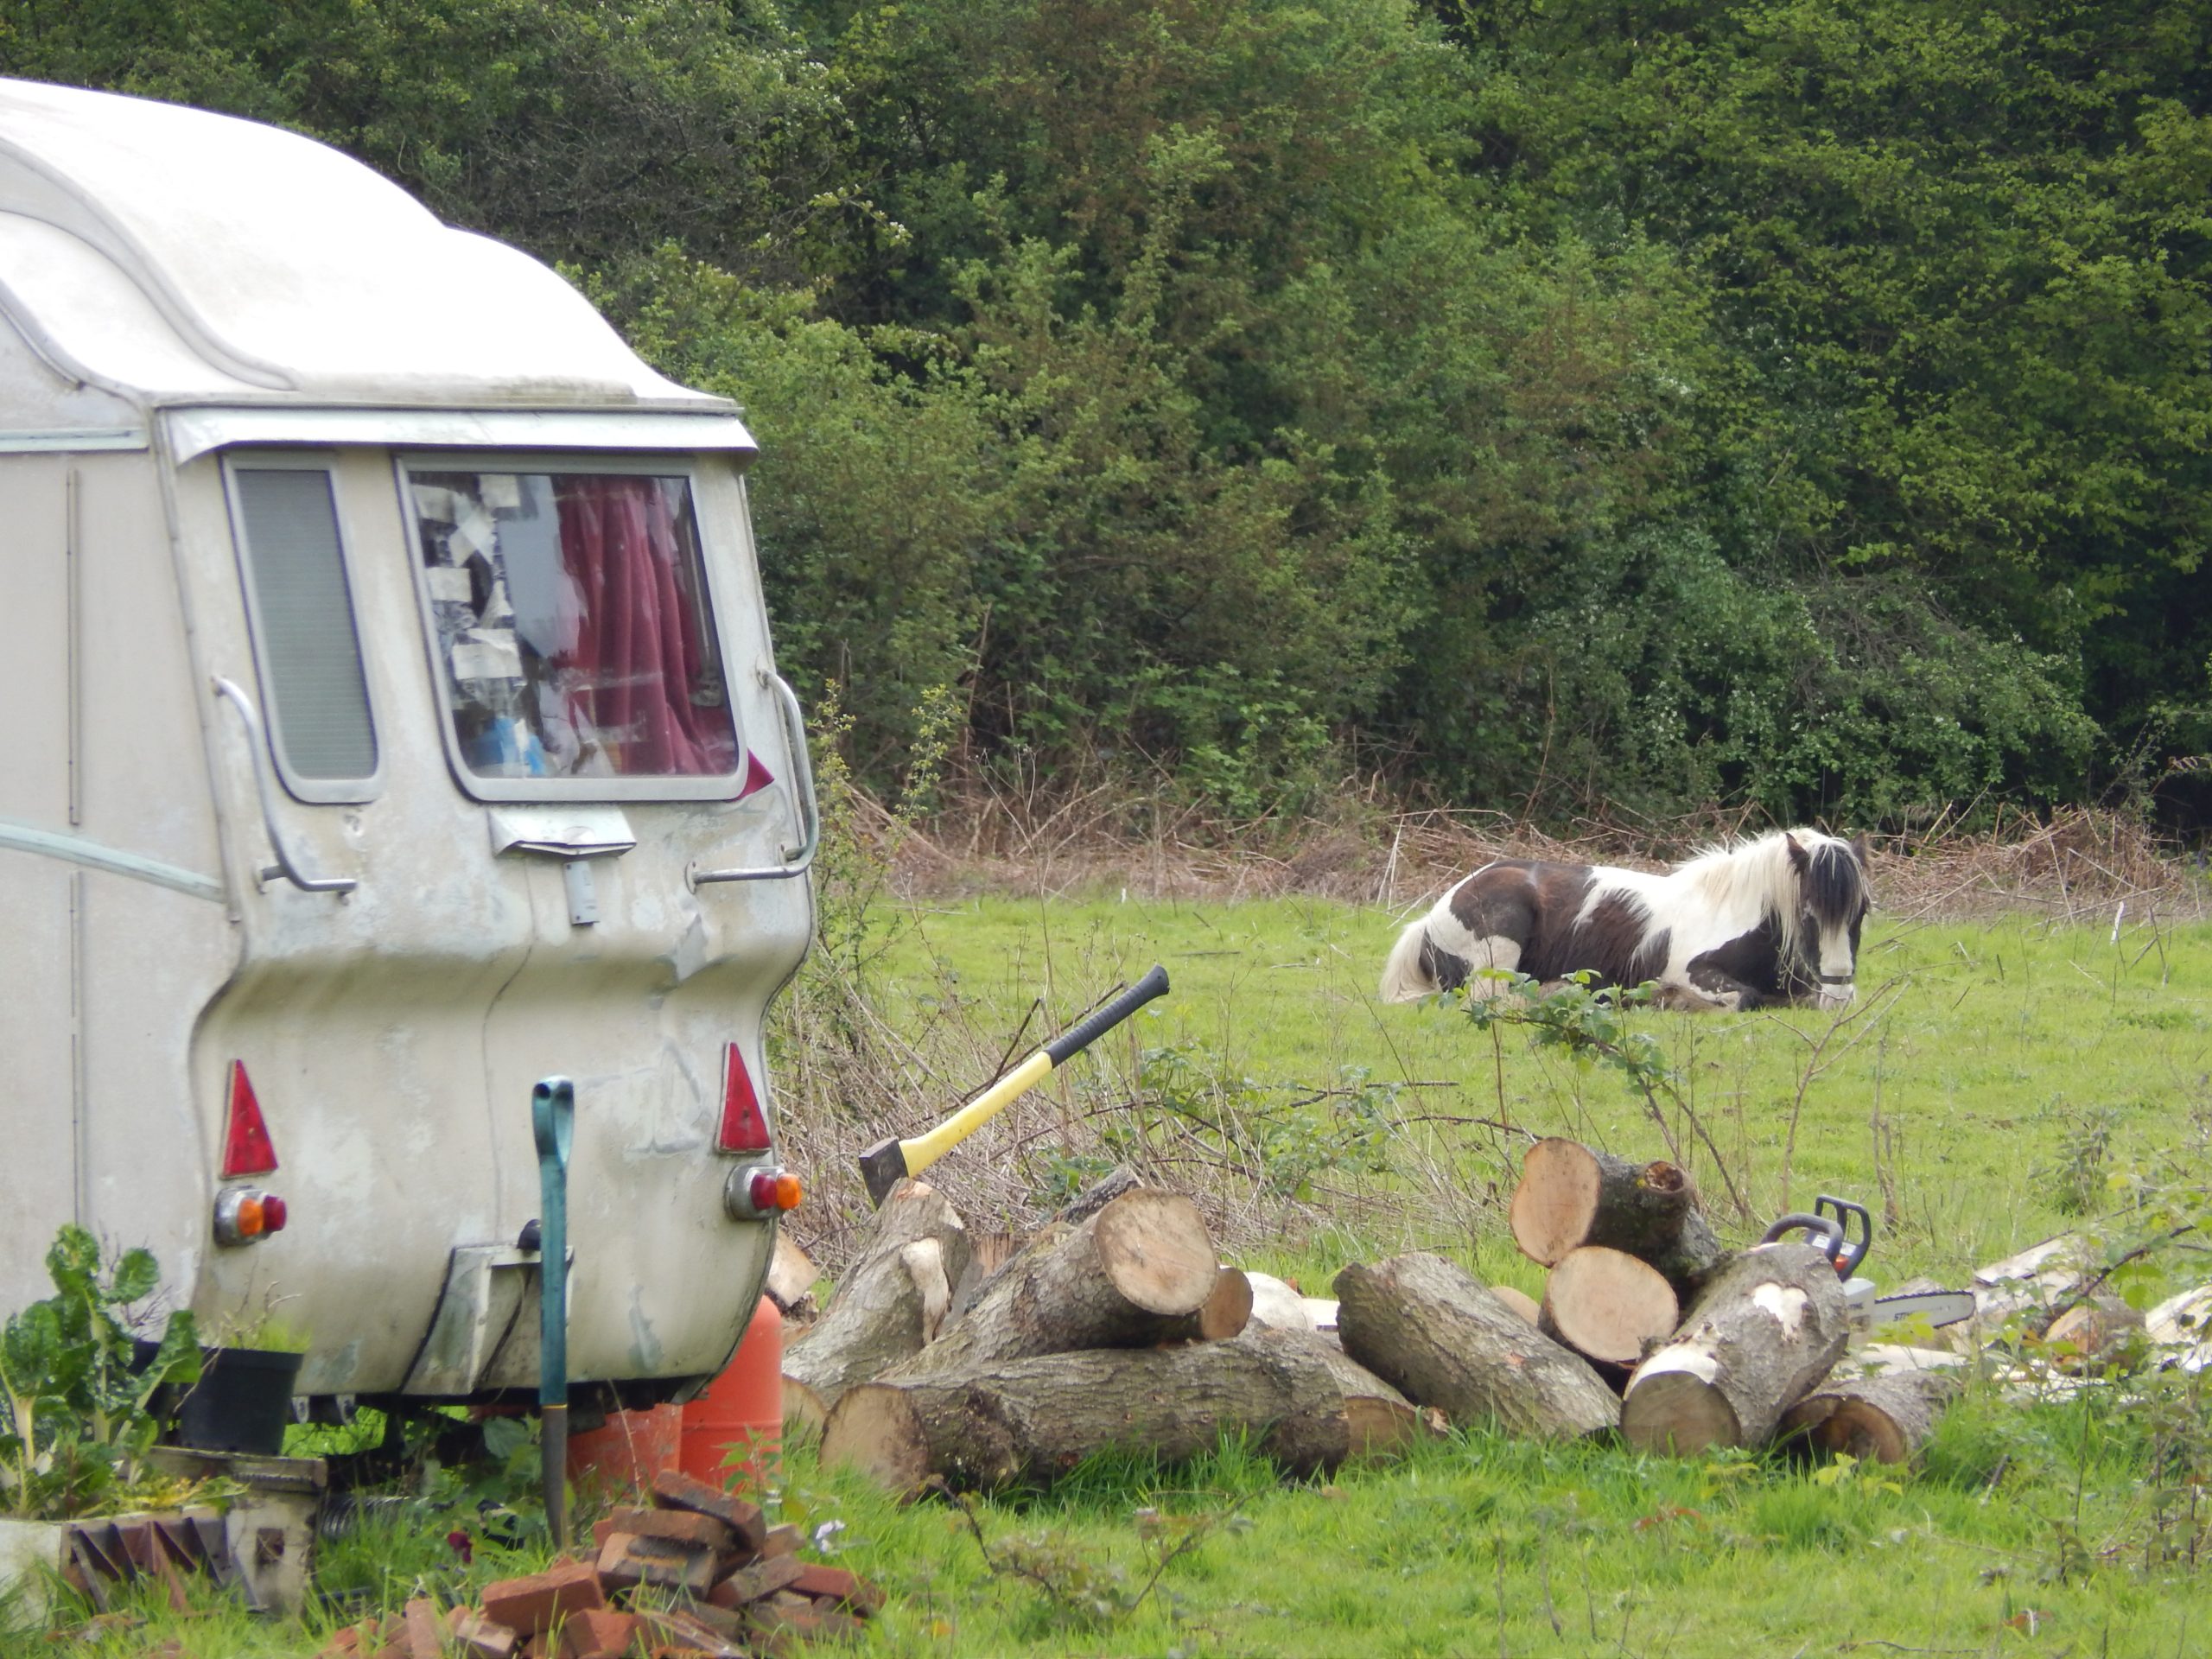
{"points": [[1938, 1307]]}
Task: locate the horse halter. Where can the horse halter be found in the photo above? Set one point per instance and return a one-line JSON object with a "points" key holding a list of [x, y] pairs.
{"points": [[1838, 979]]}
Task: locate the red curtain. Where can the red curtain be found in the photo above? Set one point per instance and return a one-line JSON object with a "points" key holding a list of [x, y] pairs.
{"points": [[639, 654]]}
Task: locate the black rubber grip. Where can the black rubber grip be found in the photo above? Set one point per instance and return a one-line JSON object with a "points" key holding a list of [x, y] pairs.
{"points": [[1062, 1049]]}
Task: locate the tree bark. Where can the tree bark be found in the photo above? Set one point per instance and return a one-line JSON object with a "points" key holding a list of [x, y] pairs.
{"points": [[1570, 1195], [1431, 1331], [1606, 1305], [1520, 1301], [1033, 1419], [1887, 1418], [890, 1302], [1120, 1280], [1224, 1313], [1768, 1327]]}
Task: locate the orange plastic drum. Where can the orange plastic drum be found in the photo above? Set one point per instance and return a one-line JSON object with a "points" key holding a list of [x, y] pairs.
{"points": [[733, 1432], [628, 1451]]}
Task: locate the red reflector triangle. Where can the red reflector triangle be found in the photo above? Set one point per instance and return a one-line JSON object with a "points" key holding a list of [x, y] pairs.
{"points": [[757, 777], [247, 1149], [744, 1126]]}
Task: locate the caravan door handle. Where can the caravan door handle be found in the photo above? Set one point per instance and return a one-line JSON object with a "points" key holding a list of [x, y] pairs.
{"points": [[257, 744], [799, 859]]}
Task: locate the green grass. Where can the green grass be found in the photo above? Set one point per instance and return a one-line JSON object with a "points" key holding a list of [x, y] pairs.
{"points": [[1946, 1101], [1994, 1079]]}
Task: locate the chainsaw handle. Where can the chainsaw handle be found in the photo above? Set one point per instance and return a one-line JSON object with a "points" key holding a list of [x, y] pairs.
{"points": [[1850, 1253], [1829, 1244]]}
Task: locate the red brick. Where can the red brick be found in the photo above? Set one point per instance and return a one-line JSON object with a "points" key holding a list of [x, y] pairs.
{"points": [[849, 1591], [483, 1638], [527, 1606], [674, 1489], [780, 1541], [347, 1641], [599, 1529], [597, 1633], [796, 1615], [681, 1633], [629, 1561], [678, 1526], [762, 1579], [419, 1632]]}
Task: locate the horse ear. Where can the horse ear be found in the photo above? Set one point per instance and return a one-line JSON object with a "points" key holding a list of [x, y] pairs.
{"points": [[1863, 849], [1798, 855]]}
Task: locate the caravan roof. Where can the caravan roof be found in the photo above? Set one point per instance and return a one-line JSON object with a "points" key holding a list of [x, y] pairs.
{"points": [[175, 256]]}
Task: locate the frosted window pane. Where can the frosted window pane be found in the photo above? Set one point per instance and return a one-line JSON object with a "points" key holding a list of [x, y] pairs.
{"points": [[318, 694]]}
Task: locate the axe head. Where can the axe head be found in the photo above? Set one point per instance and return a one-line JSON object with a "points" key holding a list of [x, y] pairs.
{"points": [[883, 1166]]}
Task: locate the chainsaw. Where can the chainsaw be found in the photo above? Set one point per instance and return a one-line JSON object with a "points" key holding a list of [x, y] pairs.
{"points": [[1829, 1228]]}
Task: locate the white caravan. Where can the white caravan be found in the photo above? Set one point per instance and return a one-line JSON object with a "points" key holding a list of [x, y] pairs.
{"points": [[395, 726]]}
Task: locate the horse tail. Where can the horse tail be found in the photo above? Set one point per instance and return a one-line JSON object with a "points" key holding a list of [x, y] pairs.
{"points": [[1406, 974]]}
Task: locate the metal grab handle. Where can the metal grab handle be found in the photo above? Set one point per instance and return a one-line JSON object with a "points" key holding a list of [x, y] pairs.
{"points": [[799, 859], [286, 865]]}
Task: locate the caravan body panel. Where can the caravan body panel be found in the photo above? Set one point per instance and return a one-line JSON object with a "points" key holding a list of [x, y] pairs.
{"points": [[229, 360]]}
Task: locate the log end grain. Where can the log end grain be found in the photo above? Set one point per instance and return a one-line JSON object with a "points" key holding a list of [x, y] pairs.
{"points": [[1155, 1250], [1519, 1300], [1674, 1410], [875, 1429], [1608, 1305], [1556, 1199], [1228, 1310]]}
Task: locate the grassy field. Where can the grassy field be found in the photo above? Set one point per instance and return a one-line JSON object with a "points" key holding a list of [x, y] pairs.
{"points": [[1995, 1084]]}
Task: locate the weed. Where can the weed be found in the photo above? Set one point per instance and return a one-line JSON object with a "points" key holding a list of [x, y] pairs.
{"points": [[78, 1421]]}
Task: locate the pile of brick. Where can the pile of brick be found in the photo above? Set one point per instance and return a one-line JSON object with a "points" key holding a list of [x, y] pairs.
{"points": [[699, 1575]]}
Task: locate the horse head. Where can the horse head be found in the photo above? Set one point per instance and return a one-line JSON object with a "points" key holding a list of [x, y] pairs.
{"points": [[1831, 903]]}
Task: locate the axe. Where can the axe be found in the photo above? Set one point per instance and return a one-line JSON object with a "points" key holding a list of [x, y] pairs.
{"points": [[883, 1163]]}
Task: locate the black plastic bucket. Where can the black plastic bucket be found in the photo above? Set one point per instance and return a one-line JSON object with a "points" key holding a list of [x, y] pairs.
{"points": [[242, 1402]]}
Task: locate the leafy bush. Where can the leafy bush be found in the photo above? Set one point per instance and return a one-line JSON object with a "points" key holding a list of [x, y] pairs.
{"points": [[77, 1421]]}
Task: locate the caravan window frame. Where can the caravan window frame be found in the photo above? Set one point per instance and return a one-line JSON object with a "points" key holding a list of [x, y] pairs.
{"points": [[713, 557], [313, 791]]}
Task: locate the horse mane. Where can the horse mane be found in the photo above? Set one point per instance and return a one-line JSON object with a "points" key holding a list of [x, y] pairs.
{"points": [[1759, 871]]}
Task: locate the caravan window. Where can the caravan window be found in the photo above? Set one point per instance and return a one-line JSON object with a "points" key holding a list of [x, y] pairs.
{"points": [[571, 631], [285, 519]]}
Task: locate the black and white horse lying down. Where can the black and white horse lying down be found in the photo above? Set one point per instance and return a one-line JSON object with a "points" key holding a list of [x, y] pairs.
{"points": [[1758, 922]]}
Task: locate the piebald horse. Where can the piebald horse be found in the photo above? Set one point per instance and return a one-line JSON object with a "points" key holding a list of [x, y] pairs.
{"points": [[1740, 926]]}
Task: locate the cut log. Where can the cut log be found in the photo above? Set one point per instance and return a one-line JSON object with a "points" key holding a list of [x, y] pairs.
{"points": [[1520, 1301], [2091, 1330], [890, 1302], [1606, 1305], [986, 1253], [1887, 1418], [1120, 1280], [1277, 1305], [1221, 1316], [1430, 1330], [1768, 1327], [1570, 1195], [792, 1274], [2178, 1328], [1033, 1419], [1380, 1421]]}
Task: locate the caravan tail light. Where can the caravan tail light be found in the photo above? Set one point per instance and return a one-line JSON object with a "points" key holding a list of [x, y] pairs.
{"points": [[247, 1149], [761, 1190], [246, 1213], [744, 1126]]}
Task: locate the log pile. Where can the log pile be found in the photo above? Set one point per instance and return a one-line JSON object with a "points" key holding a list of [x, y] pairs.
{"points": [[1705, 1346], [698, 1572], [1116, 1325]]}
